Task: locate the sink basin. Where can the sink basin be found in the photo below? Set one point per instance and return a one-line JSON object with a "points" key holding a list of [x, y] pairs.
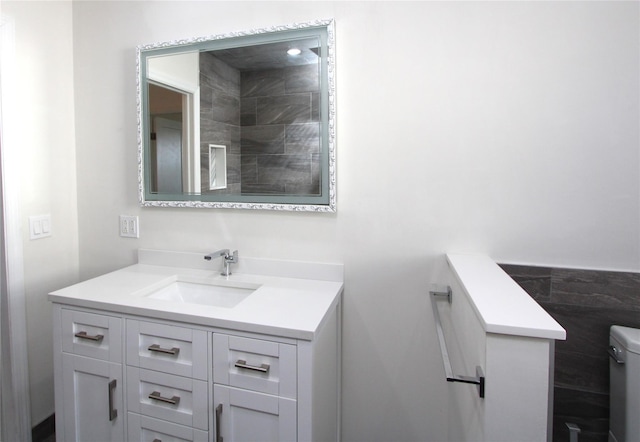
{"points": [[203, 293]]}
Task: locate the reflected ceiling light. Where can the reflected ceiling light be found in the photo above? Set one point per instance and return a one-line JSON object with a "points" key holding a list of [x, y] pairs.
{"points": [[294, 51]]}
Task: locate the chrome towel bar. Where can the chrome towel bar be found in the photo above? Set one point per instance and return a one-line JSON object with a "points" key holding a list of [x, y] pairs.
{"points": [[479, 378]]}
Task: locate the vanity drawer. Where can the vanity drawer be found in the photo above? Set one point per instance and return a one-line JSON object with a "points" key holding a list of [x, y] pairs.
{"points": [[92, 335], [147, 429], [255, 364], [167, 348], [167, 397]]}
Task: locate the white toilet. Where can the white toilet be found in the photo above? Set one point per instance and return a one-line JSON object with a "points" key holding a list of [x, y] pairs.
{"points": [[624, 384]]}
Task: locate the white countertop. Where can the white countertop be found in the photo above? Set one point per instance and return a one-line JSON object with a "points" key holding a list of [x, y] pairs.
{"points": [[499, 302], [283, 305]]}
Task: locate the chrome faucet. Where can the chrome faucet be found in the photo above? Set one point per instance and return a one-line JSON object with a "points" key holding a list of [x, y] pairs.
{"points": [[229, 259], [221, 252]]}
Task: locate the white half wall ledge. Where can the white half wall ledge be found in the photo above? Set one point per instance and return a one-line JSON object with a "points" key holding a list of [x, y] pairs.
{"points": [[502, 306]]}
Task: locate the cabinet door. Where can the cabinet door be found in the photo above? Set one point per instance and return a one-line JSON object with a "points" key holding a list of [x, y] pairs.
{"points": [[242, 415], [92, 391]]}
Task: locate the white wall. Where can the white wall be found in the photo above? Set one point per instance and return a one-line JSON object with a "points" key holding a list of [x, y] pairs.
{"points": [[46, 145], [509, 128]]}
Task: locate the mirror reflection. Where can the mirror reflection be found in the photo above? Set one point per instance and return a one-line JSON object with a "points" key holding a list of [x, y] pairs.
{"points": [[263, 135]]}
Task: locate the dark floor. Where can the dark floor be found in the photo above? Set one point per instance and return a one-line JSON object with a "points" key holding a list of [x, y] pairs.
{"points": [[45, 431]]}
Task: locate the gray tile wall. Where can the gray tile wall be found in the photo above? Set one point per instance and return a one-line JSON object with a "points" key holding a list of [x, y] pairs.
{"points": [[280, 131], [586, 303], [269, 121], [219, 119]]}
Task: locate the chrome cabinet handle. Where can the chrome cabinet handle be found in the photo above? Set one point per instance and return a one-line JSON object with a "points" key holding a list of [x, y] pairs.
{"points": [[241, 363], [157, 440], [113, 413], [84, 335], [218, 414], [156, 396], [168, 351]]}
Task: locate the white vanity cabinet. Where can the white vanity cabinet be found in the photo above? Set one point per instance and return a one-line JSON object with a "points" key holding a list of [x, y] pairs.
{"points": [[89, 378], [131, 366], [163, 381]]}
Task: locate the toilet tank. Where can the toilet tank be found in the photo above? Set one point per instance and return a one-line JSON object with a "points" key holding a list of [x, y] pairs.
{"points": [[624, 384]]}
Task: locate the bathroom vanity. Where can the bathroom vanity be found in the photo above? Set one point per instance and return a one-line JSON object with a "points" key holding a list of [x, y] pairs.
{"points": [[170, 350]]}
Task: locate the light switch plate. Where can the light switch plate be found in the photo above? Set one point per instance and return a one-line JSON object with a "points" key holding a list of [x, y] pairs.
{"points": [[39, 226], [129, 226]]}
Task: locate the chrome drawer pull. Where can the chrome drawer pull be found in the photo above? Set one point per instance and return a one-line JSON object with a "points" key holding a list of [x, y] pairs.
{"points": [[157, 397], [168, 351], [218, 437], [113, 413], [84, 335], [157, 440], [263, 368]]}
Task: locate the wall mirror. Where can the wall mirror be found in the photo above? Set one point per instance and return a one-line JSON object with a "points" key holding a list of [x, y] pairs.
{"points": [[243, 120]]}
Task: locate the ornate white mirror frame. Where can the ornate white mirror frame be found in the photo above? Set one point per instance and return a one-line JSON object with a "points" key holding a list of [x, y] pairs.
{"points": [[322, 201]]}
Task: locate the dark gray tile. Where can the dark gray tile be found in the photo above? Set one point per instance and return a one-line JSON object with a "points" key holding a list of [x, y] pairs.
{"points": [[590, 411], [582, 360], [587, 330], [262, 139], [206, 101], [570, 401], [586, 303], [596, 288], [270, 55], [302, 138], [249, 169], [588, 327], [225, 108], [213, 132], [561, 431], [316, 169], [248, 112], [585, 372], [536, 281], [218, 75], [301, 79], [281, 169], [302, 189], [272, 189], [233, 169], [262, 83], [315, 107], [287, 109]]}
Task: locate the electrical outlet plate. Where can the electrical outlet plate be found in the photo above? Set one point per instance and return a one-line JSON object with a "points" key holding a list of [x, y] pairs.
{"points": [[129, 226]]}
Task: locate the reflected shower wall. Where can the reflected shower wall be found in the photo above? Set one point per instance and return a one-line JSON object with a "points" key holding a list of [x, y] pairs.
{"points": [[219, 119], [269, 121]]}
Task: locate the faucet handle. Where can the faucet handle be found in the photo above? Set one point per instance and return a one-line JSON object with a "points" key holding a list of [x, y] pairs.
{"points": [[233, 258], [229, 258]]}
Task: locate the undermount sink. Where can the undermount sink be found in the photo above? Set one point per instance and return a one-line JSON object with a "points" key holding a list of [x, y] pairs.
{"points": [[218, 294]]}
